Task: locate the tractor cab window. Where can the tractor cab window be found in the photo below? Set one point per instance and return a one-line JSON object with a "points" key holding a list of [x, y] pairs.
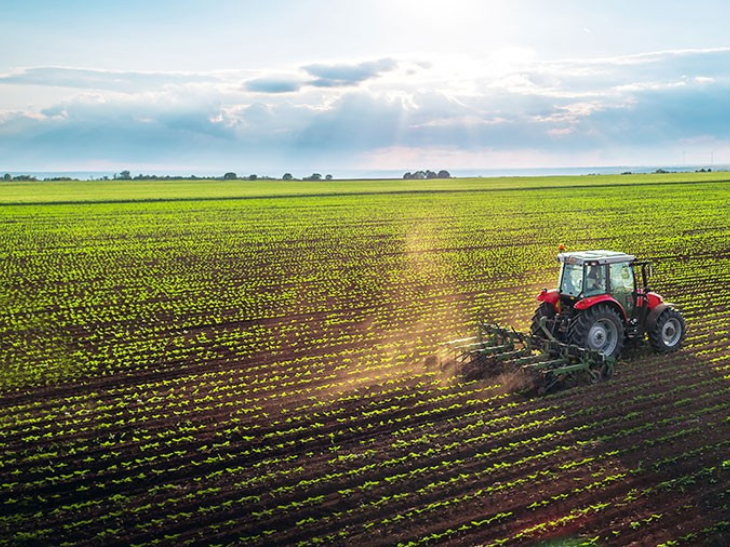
{"points": [[595, 280], [571, 282], [622, 278], [622, 285]]}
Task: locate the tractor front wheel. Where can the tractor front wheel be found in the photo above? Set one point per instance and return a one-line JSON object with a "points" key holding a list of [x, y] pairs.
{"points": [[599, 329], [668, 332]]}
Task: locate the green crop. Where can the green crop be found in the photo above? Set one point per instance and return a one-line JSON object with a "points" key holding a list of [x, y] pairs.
{"points": [[217, 362]]}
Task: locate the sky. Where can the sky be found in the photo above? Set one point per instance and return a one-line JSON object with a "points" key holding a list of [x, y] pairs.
{"points": [[355, 87]]}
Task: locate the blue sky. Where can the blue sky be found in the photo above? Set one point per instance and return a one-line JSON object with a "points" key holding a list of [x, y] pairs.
{"points": [[357, 86]]}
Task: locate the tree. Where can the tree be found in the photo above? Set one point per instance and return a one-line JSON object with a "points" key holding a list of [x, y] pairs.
{"points": [[8, 176], [315, 176], [125, 175], [230, 176], [428, 174], [328, 177], [287, 176], [252, 177]]}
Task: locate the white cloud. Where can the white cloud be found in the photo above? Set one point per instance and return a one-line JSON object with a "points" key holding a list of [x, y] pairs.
{"points": [[705, 80], [112, 80], [354, 112]]}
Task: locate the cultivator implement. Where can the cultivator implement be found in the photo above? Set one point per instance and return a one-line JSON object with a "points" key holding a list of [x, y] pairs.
{"points": [[537, 363]]}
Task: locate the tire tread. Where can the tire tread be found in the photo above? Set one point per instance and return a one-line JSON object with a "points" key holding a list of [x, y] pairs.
{"points": [[655, 335], [580, 325]]}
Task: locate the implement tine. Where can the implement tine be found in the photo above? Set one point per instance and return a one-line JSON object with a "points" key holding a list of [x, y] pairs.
{"points": [[547, 361]]}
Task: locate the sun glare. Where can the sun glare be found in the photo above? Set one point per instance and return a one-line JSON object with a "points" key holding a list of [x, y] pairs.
{"points": [[444, 20]]}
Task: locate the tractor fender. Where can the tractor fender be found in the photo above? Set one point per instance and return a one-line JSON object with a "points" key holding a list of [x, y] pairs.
{"points": [[601, 299], [655, 313], [651, 298], [550, 296]]}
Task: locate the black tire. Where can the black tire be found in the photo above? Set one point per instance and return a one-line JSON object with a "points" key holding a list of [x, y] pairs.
{"points": [[546, 310], [598, 328], [668, 332]]}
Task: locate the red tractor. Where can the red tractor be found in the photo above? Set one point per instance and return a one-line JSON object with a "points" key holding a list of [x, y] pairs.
{"points": [[599, 304], [579, 328]]}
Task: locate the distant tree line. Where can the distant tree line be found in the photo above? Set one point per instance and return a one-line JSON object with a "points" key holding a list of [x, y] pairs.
{"points": [[8, 177], [127, 175], [428, 174], [230, 175], [285, 176]]}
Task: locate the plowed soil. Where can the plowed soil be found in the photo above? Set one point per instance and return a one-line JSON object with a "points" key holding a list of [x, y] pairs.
{"points": [[313, 407]]}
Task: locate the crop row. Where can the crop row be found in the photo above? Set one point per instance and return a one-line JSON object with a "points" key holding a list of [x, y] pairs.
{"points": [[268, 371]]}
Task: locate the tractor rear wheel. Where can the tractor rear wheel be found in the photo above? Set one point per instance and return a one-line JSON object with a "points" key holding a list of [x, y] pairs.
{"points": [[599, 329], [547, 311], [668, 332]]}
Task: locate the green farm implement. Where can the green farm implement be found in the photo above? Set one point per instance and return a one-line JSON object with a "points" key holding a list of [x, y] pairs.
{"points": [[534, 362]]}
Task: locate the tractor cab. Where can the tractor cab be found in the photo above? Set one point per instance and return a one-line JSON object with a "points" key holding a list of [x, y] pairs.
{"points": [[599, 303], [593, 274]]}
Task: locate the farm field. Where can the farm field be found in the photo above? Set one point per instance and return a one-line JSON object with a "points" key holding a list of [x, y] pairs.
{"points": [[236, 363]]}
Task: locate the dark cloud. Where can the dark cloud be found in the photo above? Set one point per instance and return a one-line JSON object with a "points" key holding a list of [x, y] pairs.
{"points": [[357, 121], [341, 75], [272, 85], [325, 76], [125, 131], [664, 117]]}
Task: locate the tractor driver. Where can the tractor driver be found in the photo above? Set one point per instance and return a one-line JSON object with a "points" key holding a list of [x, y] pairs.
{"points": [[595, 281]]}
